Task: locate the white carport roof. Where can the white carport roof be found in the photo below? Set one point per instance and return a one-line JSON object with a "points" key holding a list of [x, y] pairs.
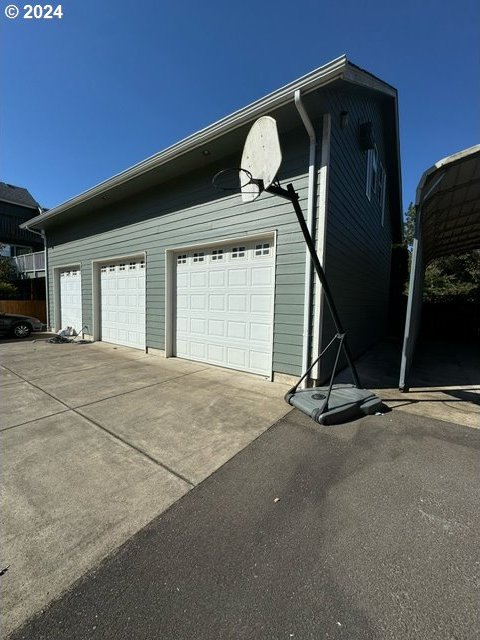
{"points": [[448, 222], [449, 198]]}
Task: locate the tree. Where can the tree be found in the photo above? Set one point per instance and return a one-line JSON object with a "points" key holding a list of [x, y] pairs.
{"points": [[454, 278], [409, 227], [7, 275]]}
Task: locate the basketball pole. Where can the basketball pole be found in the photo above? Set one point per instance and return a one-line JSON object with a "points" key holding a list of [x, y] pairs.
{"points": [[290, 194]]}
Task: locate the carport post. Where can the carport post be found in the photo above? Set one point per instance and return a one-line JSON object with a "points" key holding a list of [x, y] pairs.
{"points": [[415, 288], [414, 305]]}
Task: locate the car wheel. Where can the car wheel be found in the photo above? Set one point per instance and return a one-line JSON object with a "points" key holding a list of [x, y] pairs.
{"points": [[22, 330]]}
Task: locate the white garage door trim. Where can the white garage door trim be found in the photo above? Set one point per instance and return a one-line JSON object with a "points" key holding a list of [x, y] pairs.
{"points": [[57, 293], [171, 291], [97, 294]]}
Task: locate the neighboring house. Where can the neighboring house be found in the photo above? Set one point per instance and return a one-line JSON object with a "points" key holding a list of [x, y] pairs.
{"points": [[16, 207], [156, 258]]}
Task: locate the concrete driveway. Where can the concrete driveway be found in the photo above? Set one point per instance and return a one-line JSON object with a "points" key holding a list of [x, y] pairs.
{"points": [[96, 441]]}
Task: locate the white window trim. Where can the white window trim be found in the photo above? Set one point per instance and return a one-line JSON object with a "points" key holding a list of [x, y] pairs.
{"points": [[372, 157], [384, 192]]}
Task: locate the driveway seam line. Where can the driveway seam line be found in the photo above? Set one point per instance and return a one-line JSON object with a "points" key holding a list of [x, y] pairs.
{"points": [[35, 386], [133, 446], [114, 435], [124, 393], [101, 399], [22, 424], [85, 368]]}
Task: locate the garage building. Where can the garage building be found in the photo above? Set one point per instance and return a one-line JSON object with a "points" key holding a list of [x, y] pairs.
{"points": [[156, 258]]}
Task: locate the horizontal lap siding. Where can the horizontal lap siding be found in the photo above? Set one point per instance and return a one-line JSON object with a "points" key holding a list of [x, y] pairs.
{"points": [[189, 212], [358, 247]]}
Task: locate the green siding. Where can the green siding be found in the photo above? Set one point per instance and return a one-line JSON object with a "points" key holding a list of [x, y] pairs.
{"points": [[190, 211], [358, 247]]}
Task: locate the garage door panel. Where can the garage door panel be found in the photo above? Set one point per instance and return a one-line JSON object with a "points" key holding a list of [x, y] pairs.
{"points": [[182, 325], [259, 360], [197, 302], [182, 280], [238, 277], [198, 280], [237, 330], [71, 299], [216, 328], [215, 353], [198, 326], [182, 302], [198, 350], [123, 303], [237, 358], [260, 303], [224, 307], [216, 302], [260, 332], [238, 302], [262, 276], [182, 347]]}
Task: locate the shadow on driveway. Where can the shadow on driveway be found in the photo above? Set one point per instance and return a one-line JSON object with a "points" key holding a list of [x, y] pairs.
{"points": [[362, 531]]}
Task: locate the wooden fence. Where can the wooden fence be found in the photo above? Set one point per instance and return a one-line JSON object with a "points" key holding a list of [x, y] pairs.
{"points": [[34, 308]]}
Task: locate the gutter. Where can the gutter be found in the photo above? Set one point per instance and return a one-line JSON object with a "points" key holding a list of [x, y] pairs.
{"points": [[307, 305], [340, 68]]}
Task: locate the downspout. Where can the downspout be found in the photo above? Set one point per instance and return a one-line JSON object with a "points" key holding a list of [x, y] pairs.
{"points": [[44, 238], [311, 227]]}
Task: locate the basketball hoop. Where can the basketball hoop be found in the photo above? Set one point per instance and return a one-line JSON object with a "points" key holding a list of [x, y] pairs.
{"points": [[236, 179], [261, 160]]}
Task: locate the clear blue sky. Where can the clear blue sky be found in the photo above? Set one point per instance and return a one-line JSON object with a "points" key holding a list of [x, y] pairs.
{"points": [[115, 81]]}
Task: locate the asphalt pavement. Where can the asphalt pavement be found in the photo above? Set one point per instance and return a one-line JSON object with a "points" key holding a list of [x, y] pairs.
{"points": [[369, 530]]}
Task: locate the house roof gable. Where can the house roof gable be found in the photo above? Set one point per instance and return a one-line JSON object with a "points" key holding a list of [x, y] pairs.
{"points": [[339, 69], [17, 195]]}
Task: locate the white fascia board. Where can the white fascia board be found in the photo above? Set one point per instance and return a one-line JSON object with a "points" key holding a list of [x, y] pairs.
{"points": [[336, 69]]}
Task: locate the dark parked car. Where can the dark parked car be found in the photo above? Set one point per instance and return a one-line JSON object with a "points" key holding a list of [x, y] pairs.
{"points": [[18, 326]]}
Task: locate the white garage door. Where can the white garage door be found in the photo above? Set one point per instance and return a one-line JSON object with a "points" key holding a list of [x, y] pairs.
{"points": [[71, 299], [224, 306], [122, 286]]}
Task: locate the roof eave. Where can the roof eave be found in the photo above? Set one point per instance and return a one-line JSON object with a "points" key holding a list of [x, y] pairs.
{"points": [[20, 204], [340, 68]]}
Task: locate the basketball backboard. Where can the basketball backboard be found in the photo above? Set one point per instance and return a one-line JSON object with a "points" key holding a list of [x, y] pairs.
{"points": [[261, 156]]}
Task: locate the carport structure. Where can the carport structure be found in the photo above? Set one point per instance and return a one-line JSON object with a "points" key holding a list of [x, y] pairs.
{"points": [[447, 222]]}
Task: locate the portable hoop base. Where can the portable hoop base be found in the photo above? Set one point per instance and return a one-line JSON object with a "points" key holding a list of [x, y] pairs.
{"points": [[344, 402]]}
